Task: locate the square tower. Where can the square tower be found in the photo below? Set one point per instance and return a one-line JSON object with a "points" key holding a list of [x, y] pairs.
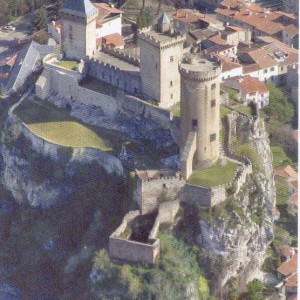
{"points": [[160, 52], [78, 29]]}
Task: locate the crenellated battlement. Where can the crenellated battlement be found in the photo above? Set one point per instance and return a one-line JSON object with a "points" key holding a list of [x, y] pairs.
{"points": [[121, 55], [200, 68], [161, 40]]}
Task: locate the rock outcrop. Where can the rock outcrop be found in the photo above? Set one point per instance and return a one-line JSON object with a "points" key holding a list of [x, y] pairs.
{"points": [[233, 236]]}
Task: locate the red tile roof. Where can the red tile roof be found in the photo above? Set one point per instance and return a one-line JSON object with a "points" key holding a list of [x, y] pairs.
{"points": [[255, 16], [252, 84], [294, 199], [292, 30], [295, 184], [286, 172], [287, 251], [193, 16], [114, 40], [288, 267], [291, 281], [105, 10], [295, 135], [218, 40]]}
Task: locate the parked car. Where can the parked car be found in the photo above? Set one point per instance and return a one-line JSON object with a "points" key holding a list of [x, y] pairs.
{"points": [[9, 27]]}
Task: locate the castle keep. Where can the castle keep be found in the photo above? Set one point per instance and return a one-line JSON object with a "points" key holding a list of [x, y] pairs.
{"points": [[200, 112], [160, 52], [78, 29]]}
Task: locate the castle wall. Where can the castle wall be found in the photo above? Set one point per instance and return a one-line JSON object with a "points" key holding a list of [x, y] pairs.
{"points": [[150, 193], [167, 211], [128, 81], [205, 196], [133, 251], [187, 155]]}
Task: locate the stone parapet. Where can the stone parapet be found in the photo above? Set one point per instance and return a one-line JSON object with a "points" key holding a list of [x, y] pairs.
{"points": [[150, 36], [121, 55]]}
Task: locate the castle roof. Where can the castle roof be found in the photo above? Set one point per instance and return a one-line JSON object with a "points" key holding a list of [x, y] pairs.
{"points": [[79, 8]]}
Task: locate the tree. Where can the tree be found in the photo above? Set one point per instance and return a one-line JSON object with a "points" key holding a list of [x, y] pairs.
{"points": [[279, 106], [141, 20]]}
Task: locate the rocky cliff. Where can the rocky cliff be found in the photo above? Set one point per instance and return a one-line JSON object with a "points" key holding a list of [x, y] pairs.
{"points": [[233, 236], [41, 173]]}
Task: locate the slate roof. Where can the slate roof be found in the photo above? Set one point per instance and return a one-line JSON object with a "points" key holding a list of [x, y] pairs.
{"points": [[24, 65], [79, 8], [163, 19]]}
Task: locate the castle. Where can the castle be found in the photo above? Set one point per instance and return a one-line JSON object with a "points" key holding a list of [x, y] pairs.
{"points": [[164, 75]]}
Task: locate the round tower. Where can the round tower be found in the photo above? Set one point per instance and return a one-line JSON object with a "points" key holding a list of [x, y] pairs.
{"points": [[200, 107]]}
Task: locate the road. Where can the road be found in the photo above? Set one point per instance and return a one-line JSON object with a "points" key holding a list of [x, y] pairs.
{"points": [[8, 39]]}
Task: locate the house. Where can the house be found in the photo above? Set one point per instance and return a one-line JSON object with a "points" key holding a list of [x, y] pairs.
{"points": [[291, 284], [250, 89], [109, 25], [188, 19], [254, 18], [286, 172], [230, 67], [287, 268], [287, 252]]}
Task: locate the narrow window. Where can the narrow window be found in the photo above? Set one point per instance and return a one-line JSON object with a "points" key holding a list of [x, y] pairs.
{"points": [[171, 96], [213, 86], [171, 83], [213, 103], [194, 124], [103, 75], [171, 58]]}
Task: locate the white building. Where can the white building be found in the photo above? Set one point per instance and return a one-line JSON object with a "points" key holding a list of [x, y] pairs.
{"points": [[250, 90]]}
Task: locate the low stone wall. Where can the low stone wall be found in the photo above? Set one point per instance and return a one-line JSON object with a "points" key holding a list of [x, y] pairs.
{"points": [[206, 196], [120, 54], [132, 251]]}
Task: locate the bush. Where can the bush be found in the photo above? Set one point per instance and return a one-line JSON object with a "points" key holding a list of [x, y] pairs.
{"points": [[279, 106]]}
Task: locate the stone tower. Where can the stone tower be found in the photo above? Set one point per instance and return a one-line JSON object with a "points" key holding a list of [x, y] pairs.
{"points": [[161, 49], [78, 28], [200, 110]]}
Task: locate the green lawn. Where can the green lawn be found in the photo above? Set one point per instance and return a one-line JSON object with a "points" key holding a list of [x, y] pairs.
{"points": [[215, 175], [224, 111], [56, 124], [68, 64], [70, 134], [279, 157], [175, 109], [244, 109]]}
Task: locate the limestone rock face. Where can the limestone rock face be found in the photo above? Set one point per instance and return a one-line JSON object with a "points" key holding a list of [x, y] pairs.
{"points": [[235, 237], [42, 173]]}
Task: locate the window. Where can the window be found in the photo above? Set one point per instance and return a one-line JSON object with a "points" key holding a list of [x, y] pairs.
{"points": [[213, 103], [103, 75], [213, 86], [194, 124], [171, 96], [135, 90], [212, 137], [118, 82], [109, 78], [171, 58], [272, 69], [171, 83], [265, 71]]}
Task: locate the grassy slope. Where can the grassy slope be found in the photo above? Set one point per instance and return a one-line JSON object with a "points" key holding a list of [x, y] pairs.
{"points": [[214, 175]]}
